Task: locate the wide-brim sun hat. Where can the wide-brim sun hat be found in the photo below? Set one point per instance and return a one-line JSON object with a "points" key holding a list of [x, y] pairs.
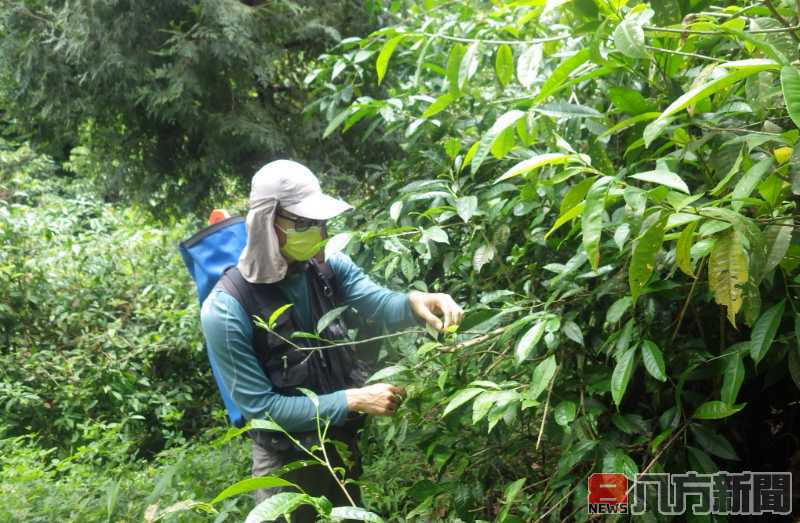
{"points": [[292, 187]]}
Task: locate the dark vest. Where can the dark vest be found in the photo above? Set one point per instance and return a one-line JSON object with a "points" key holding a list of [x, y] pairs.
{"points": [[322, 370]]}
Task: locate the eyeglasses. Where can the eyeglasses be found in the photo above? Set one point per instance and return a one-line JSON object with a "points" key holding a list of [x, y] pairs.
{"points": [[301, 224]]}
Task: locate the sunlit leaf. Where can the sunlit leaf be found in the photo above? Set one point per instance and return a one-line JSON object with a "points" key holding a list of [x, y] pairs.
{"points": [[643, 258], [622, 374], [592, 219], [662, 177], [716, 410], [536, 162], [790, 83], [505, 121], [529, 340], [528, 65], [728, 272], [386, 53], [653, 360], [504, 64]]}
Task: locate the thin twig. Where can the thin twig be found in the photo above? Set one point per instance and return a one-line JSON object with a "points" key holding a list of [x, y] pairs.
{"points": [[781, 19], [496, 42], [546, 407], [717, 33], [683, 53], [686, 303]]}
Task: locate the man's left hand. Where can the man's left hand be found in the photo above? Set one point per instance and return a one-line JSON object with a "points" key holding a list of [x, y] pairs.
{"points": [[427, 305]]}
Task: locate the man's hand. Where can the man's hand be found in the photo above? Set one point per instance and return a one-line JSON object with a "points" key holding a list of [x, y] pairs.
{"points": [[380, 399], [427, 304]]}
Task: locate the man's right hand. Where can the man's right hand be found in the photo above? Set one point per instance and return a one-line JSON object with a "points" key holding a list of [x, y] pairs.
{"points": [[380, 399]]}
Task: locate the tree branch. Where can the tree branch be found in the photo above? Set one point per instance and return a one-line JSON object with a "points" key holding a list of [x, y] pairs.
{"points": [[781, 19]]}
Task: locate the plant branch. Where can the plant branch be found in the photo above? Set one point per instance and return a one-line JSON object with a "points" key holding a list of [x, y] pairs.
{"points": [[495, 42], [717, 33], [546, 406], [683, 53], [782, 20]]}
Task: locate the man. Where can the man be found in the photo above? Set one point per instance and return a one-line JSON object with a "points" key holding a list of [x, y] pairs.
{"points": [[283, 263]]}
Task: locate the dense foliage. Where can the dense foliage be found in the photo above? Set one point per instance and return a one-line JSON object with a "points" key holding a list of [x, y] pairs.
{"points": [[610, 188], [169, 98], [98, 320]]}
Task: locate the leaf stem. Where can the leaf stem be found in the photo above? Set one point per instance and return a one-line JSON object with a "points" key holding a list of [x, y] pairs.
{"points": [[683, 53], [493, 41], [782, 20]]}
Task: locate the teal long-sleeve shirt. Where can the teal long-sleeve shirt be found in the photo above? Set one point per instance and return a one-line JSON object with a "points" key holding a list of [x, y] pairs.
{"points": [[229, 337]]}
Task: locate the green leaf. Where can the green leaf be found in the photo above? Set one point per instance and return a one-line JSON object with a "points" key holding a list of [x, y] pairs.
{"points": [[728, 272], [565, 412], [644, 257], [276, 506], [653, 360], [701, 92], [618, 308], [778, 238], [466, 207], [460, 398], [733, 377], [617, 461], [504, 64], [662, 177], [566, 217], [273, 318], [764, 330], [542, 375], [506, 120], [453, 67], [627, 123], [251, 484], [683, 249], [436, 234], [790, 84], [483, 255], [592, 219], [535, 162], [716, 410], [631, 101], [561, 73], [622, 374], [468, 65], [329, 317], [731, 173], [748, 182], [528, 65], [384, 373], [629, 38], [265, 424], [336, 122], [438, 105], [386, 53], [510, 495], [529, 340], [354, 513], [576, 194], [482, 404], [712, 442], [572, 331]]}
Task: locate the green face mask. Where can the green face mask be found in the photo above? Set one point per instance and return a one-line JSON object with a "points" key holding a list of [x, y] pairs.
{"points": [[301, 246]]}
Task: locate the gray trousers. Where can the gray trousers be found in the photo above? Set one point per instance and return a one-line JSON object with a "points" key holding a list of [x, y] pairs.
{"points": [[316, 480]]}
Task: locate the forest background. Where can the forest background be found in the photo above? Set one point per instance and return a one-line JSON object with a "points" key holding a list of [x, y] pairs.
{"points": [[608, 187]]}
